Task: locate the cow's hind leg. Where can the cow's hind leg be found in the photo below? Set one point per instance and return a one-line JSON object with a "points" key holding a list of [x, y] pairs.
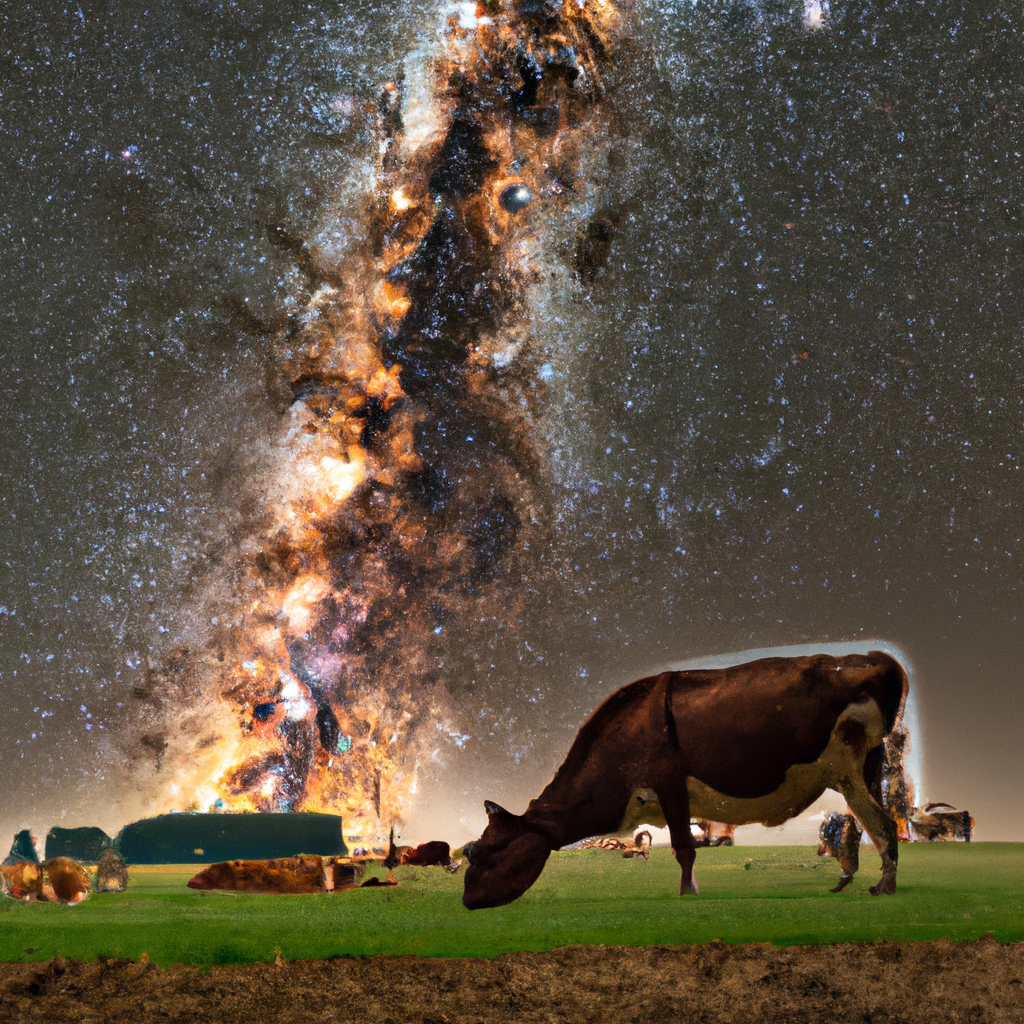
{"points": [[863, 793], [676, 809]]}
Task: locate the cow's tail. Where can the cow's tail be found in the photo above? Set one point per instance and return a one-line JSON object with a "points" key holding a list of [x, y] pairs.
{"points": [[894, 689]]}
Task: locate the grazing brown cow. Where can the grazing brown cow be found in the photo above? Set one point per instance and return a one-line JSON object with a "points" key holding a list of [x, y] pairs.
{"points": [[839, 837], [755, 742]]}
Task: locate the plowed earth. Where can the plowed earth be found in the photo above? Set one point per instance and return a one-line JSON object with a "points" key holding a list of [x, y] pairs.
{"points": [[905, 982]]}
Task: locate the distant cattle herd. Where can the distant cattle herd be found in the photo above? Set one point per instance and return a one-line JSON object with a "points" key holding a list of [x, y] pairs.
{"points": [[64, 880]]}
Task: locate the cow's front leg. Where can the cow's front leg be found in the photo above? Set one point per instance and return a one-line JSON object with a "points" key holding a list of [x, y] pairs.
{"points": [[687, 880], [676, 808]]}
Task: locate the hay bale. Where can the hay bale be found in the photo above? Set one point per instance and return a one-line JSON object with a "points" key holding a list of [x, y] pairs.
{"points": [[111, 872], [66, 879], [21, 880]]}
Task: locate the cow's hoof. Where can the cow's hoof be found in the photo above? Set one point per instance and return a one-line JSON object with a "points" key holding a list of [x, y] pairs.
{"points": [[844, 881], [886, 887]]}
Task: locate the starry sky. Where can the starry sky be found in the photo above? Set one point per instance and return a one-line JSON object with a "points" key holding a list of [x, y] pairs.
{"points": [[787, 410]]}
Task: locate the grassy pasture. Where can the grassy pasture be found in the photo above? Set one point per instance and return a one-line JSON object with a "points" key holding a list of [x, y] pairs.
{"points": [[595, 897]]}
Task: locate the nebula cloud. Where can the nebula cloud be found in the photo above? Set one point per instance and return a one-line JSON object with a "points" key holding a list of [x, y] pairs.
{"points": [[407, 483]]}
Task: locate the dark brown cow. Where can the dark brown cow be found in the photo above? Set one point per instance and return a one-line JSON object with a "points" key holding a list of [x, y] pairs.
{"points": [[433, 854], [755, 742]]}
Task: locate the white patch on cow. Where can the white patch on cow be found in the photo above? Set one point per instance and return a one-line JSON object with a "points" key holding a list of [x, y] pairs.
{"points": [[643, 809]]}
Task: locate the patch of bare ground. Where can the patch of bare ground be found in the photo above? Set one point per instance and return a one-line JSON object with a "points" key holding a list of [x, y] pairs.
{"points": [[863, 982]]}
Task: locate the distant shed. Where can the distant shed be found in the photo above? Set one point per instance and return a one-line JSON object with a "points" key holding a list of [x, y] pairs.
{"points": [[209, 838], [86, 845]]}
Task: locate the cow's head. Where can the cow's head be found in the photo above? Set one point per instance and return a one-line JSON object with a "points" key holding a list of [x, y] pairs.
{"points": [[504, 862]]}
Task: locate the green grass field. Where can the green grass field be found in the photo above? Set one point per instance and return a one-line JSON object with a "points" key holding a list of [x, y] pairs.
{"points": [[748, 894]]}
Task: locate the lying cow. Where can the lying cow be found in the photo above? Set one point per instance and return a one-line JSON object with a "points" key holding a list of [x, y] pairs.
{"points": [[303, 874], [59, 880], [603, 843], [433, 854], [839, 837], [641, 846], [941, 822], [755, 742], [638, 846]]}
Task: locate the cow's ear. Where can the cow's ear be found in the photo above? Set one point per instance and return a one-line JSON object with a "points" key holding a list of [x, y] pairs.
{"points": [[494, 810]]}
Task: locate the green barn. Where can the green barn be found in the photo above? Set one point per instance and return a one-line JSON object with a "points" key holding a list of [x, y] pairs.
{"points": [[210, 838]]}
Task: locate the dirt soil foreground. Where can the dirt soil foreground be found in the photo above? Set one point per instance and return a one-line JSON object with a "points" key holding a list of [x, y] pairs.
{"points": [[864, 982]]}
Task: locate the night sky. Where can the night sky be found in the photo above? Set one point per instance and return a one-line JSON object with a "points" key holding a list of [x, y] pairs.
{"points": [[787, 410]]}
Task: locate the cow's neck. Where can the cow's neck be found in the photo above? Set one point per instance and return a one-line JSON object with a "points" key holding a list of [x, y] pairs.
{"points": [[567, 811], [590, 793]]}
